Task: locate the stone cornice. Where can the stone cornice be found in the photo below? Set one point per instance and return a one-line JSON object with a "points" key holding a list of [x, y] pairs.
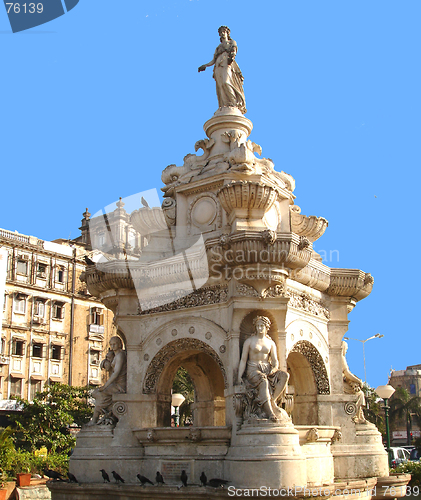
{"points": [[350, 283]]}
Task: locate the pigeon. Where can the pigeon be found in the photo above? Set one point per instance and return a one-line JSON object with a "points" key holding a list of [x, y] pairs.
{"points": [[72, 478], [117, 477], [144, 202], [159, 479], [143, 480], [183, 478], [217, 483], [105, 475], [203, 479], [52, 474]]}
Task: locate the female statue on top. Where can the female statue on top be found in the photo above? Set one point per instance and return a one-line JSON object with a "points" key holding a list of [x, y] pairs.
{"points": [[227, 74]]}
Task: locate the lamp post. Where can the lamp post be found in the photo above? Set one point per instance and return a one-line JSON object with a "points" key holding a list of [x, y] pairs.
{"points": [[377, 336], [385, 392], [176, 401]]}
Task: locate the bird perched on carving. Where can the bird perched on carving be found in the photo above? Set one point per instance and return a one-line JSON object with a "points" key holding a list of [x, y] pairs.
{"points": [[217, 483], [117, 477], [72, 478], [159, 479], [105, 476], [184, 478], [52, 474], [143, 480], [144, 202], [203, 479]]}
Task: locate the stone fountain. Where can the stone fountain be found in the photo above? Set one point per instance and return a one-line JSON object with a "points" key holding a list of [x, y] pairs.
{"points": [[229, 279]]}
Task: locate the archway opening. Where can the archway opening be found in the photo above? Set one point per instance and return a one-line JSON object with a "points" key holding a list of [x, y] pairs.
{"points": [[305, 390], [208, 407]]}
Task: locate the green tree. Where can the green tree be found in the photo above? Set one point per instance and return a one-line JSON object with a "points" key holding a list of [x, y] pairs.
{"points": [[373, 411], [183, 384], [403, 406], [45, 421]]}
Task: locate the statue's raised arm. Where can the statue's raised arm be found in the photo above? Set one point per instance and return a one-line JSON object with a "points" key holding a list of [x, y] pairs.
{"points": [[227, 74]]}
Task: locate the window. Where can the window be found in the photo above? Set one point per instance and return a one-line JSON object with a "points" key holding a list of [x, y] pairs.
{"points": [[20, 303], [94, 357], [18, 347], [22, 267], [97, 318], [15, 386], [39, 309], [37, 350], [56, 352], [58, 310], [35, 387], [41, 270], [412, 389], [3, 346], [5, 301], [101, 239], [60, 274]]}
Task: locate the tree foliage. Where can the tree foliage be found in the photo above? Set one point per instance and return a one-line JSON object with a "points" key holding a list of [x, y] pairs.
{"points": [[374, 411], [404, 407], [45, 421]]}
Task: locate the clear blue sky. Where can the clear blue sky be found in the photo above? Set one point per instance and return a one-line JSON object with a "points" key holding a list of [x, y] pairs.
{"points": [[96, 103]]}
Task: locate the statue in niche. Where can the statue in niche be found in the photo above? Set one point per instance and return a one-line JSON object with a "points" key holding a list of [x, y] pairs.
{"points": [[227, 74], [353, 385], [263, 379], [115, 363]]}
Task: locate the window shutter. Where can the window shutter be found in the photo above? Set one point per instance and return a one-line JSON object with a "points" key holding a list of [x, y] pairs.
{"points": [[62, 353], [101, 319], [44, 351], [62, 311]]}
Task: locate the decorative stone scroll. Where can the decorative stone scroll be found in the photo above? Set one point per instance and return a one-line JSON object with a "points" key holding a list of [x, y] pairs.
{"points": [[203, 296], [170, 350], [313, 356]]}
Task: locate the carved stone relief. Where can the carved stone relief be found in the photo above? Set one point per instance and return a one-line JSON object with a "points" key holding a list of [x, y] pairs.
{"points": [[170, 350], [204, 214], [203, 296], [306, 303], [318, 367]]}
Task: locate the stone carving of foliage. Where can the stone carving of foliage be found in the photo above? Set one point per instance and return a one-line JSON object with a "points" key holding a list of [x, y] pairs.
{"points": [[306, 303], [318, 367], [201, 297], [162, 358]]}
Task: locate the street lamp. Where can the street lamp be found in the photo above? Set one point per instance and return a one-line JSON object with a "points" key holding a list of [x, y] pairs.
{"points": [[385, 392], [377, 336], [176, 401]]}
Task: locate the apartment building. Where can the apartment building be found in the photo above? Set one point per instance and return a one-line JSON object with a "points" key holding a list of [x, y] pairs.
{"points": [[52, 329]]}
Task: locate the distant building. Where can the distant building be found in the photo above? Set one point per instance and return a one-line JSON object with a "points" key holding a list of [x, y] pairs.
{"points": [[409, 379], [52, 329]]}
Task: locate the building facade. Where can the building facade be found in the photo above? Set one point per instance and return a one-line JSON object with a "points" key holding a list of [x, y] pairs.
{"points": [[409, 379], [52, 329]]}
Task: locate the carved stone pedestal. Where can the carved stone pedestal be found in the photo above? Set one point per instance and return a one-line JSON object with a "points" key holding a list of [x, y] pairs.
{"points": [[266, 454], [365, 457]]}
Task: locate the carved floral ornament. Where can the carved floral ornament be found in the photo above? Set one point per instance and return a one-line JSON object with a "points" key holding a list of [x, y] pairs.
{"points": [[317, 364], [162, 358], [297, 300]]}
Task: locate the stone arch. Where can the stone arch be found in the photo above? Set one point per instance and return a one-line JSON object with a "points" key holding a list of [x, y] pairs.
{"points": [[174, 348], [206, 371], [315, 362]]}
